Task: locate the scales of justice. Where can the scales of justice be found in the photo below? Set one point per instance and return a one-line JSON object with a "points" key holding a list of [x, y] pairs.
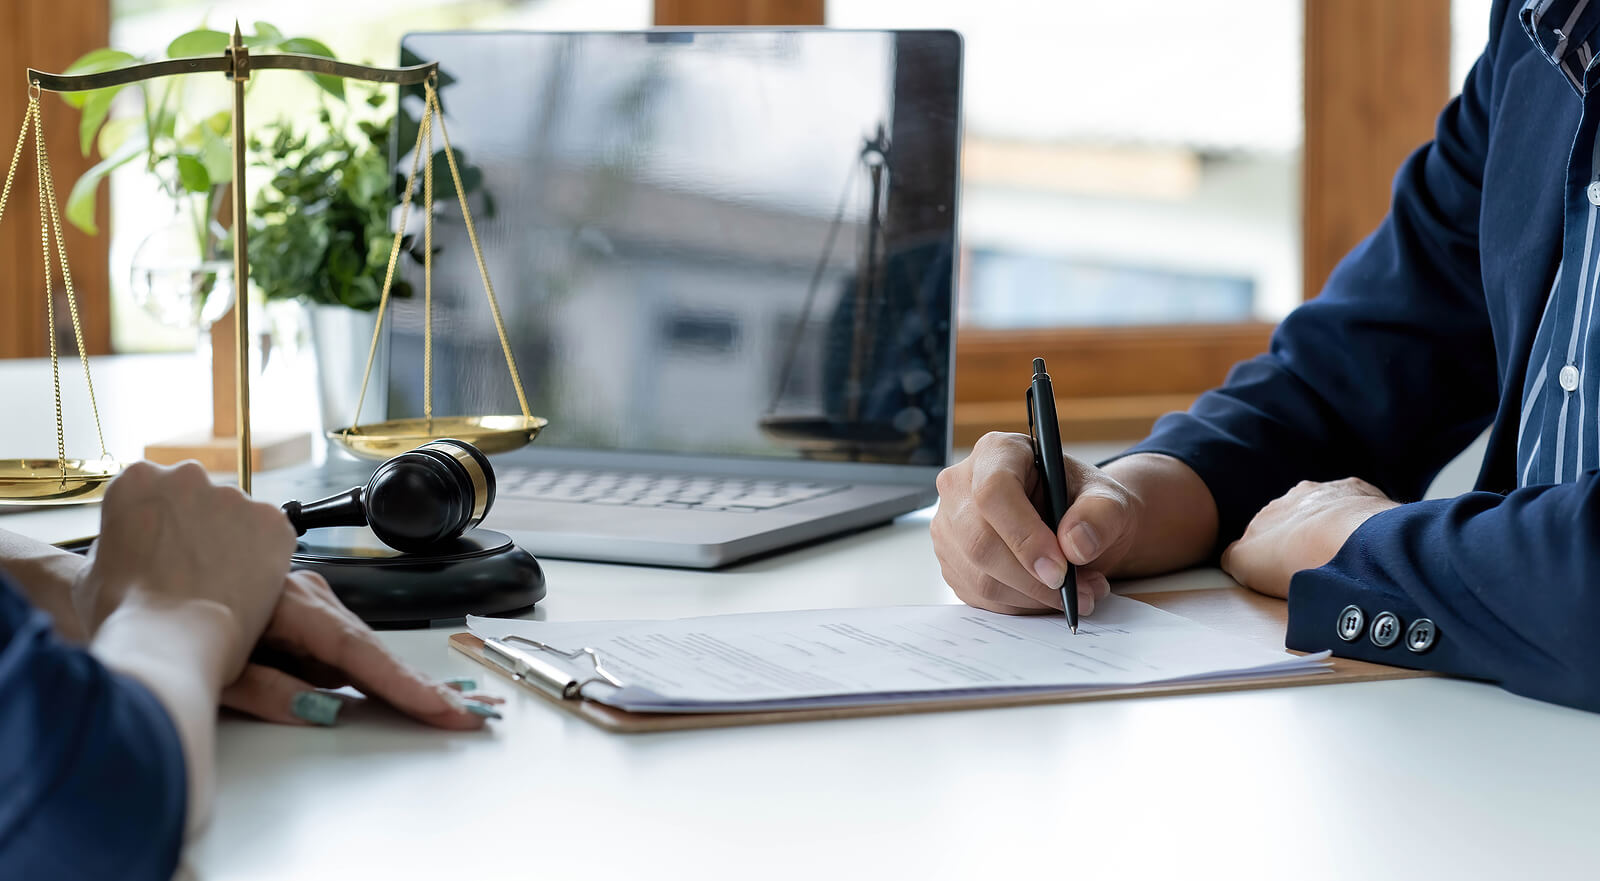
{"points": [[437, 484]]}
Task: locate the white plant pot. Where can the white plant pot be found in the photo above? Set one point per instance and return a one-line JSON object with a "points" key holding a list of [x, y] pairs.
{"points": [[341, 338]]}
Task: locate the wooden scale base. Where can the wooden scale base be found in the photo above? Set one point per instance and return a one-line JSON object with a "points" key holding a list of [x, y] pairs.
{"points": [[268, 450]]}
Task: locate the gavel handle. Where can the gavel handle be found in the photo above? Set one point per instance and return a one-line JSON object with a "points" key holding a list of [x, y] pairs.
{"points": [[344, 509]]}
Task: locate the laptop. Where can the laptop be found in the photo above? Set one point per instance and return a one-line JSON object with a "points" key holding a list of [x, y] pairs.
{"points": [[725, 261]]}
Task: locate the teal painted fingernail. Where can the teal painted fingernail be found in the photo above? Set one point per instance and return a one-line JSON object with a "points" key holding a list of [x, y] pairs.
{"points": [[316, 707], [462, 684], [484, 710]]}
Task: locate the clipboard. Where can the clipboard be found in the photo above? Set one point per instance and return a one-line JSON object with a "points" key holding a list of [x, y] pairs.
{"points": [[1232, 610]]}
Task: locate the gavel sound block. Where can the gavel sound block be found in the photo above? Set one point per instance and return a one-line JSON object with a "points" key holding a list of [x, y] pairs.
{"points": [[405, 549]]}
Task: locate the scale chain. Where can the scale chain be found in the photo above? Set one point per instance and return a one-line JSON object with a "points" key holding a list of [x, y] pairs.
{"points": [[49, 304], [483, 268], [50, 221], [427, 277], [394, 254], [48, 181], [16, 156]]}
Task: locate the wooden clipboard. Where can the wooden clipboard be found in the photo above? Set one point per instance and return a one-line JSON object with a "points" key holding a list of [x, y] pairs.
{"points": [[1232, 610]]}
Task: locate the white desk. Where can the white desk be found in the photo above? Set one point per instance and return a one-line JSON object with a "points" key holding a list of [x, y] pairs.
{"points": [[1415, 779]]}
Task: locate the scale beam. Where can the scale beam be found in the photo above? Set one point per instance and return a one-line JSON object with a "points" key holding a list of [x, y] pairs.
{"points": [[237, 64], [403, 76]]}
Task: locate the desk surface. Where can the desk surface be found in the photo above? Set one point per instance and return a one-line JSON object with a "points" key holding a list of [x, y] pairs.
{"points": [[1409, 779]]}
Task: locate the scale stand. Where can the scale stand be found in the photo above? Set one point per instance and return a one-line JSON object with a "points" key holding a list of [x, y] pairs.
{"points": [[60, 480]]}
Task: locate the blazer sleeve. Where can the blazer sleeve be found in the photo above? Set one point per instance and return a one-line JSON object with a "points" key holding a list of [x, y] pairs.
{"points": [[1508, 585], [92, 776], [1389, 372]]}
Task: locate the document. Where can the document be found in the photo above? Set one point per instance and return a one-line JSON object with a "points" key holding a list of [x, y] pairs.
{"points": [[899, 654]]}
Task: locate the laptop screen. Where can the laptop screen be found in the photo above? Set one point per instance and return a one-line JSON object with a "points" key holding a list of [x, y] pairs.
{"points": [[734, 243]]}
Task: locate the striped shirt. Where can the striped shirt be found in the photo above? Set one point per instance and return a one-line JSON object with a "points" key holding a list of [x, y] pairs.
{"points": [[1558, 436]]}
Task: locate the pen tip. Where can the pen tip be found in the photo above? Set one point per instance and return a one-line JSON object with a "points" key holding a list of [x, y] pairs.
{"points": [[1074, 629]]}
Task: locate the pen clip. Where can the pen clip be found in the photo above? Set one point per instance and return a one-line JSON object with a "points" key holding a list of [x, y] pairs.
{"points": [[1033, 431]]}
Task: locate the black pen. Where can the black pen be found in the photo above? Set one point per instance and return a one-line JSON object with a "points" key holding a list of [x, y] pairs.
{"points": [[1045, 432]]}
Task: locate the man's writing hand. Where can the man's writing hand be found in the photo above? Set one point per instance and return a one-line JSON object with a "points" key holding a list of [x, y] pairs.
{"points": [[1303, 529], [997, 553]]}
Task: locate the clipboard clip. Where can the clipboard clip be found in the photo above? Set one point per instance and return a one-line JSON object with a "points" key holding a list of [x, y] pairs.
{"points": [[522, 665]]}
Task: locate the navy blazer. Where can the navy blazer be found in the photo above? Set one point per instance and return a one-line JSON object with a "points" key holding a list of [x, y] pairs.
{"points": [[1419, 340]]}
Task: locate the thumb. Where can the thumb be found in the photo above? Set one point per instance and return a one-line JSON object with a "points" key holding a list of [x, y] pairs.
{"points": [[1099, 518]]}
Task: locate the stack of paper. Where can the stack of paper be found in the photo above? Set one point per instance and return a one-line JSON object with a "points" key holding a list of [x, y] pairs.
{"points": [[902, 654]]}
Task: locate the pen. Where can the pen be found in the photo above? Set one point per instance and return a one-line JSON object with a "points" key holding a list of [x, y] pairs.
{"points": [[1045, 433]]}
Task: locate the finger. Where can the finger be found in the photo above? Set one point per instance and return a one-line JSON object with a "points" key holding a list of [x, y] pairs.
{"points": [[999, 492], [1004, 609], [968, 578], [996, 596], [1092, 587], [276, 696], [324, 635], [1229, 559], [989, 555], [1098, 518]]}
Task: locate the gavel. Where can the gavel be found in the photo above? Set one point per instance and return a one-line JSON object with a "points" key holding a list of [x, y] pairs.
{"points": [[414, 502]]}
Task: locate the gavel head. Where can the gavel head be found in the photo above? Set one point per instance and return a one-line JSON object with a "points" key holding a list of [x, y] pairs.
{"points": [[414, 501], [429, 495]]}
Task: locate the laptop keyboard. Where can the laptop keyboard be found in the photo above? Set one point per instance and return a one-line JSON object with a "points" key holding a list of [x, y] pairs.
{"points": [[637, 489]]}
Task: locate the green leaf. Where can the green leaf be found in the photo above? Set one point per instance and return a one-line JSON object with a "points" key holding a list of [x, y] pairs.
{"points": [[80, 202], [98, 61], [265, 36], [192, 173], [95, 108], [201, 42], [307, 46], [216, 154], [116, 132]]}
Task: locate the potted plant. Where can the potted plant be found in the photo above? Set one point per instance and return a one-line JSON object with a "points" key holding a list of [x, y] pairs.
{"points": [[181, 272], [320, 234], [319, 228]]}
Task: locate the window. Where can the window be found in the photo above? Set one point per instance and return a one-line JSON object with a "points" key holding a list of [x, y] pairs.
{"points": [[1105, 183], [360, 30]]}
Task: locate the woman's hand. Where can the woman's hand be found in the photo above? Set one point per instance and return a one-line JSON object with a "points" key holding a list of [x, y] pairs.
{"points": [[170, 535], [313, 641]]}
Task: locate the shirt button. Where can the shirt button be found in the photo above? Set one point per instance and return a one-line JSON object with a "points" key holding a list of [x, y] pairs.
{"points": [[1594, 193], [1568, 378]]}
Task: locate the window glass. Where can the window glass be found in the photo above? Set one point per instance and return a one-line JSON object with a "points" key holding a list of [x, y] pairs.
{"points": [[1469, 33], [356, 30], [1121, 170]]}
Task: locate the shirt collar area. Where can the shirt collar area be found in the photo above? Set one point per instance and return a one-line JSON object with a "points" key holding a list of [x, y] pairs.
{"points": [[1564, 30]]}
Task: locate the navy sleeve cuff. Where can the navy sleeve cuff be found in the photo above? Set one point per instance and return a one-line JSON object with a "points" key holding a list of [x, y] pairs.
{"points": [[1353, 606]]}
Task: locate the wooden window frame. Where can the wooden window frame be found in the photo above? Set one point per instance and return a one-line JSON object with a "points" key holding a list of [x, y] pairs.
{"points": [[49, 37]]}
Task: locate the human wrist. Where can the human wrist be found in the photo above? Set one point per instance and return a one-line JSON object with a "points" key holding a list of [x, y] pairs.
{"points": [[46, 575], [148, 629], [1175, 516], [181, 649]]}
